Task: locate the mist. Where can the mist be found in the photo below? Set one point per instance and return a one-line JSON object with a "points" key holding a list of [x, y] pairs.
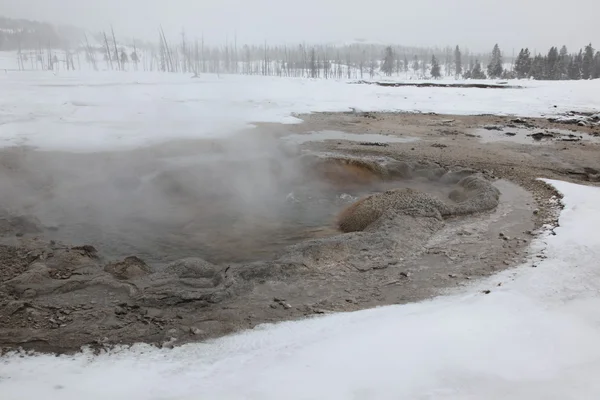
{"points": [[475, 24], [235, 199]]}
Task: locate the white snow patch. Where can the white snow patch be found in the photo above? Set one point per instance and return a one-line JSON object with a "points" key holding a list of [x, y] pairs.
{"points": [[94, 111], [534, 337]]}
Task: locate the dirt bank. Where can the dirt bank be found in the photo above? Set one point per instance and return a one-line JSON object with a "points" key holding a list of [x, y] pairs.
{"points": [[445, 209]]}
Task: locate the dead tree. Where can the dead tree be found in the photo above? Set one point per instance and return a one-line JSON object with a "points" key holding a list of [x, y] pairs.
{"points": [[116, 50], [108, 55], [90, 54]]}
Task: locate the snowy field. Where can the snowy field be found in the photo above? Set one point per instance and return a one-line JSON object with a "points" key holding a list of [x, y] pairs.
{"points": [[534, 337], [96, 111]]}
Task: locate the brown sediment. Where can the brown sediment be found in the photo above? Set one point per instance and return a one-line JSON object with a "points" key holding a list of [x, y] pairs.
{"points": [[454, 212]]}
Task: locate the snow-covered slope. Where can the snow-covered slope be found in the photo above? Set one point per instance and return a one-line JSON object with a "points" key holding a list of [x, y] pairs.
{"points": [[534, 337]]}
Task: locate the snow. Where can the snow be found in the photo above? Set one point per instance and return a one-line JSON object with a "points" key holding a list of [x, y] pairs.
{"points": [[534, 337], [93, 111]]}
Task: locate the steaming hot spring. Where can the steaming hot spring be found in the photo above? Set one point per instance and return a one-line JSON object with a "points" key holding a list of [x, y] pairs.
{"points": [[220, 202]]}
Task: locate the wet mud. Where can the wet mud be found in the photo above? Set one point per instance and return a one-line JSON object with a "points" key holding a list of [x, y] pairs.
{"points": [[195, 239]]}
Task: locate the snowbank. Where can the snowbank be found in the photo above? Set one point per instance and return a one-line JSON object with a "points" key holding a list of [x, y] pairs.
{"points": [[533, 337], [94, 111]]}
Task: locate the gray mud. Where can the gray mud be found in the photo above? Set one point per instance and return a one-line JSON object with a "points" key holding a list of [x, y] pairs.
{"points": [[192, 240], [215, 206]]}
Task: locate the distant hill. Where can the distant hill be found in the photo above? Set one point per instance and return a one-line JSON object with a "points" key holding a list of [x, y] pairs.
{"points": [[25, 34]]}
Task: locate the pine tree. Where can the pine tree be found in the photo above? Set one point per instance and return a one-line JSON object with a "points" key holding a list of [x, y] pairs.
{"points": [[523, 64], [416, 64], [388, 61], [538, 67], [405, 64], [575, 66], [564, 59], [596, 72], [457, 62], [587, 64], [495, 68], [477, 71], [314, 70], [435, 68], [519, 64], [552, 65]]}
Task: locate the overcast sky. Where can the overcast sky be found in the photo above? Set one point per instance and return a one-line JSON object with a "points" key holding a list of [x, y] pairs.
{"points": [[477, 24]]}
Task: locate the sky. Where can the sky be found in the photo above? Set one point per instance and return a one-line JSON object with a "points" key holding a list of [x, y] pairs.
{"points": [[476, 24]]}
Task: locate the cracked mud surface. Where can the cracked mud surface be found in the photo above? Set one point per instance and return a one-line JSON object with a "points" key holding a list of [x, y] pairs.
{"points": [[444, 209]]}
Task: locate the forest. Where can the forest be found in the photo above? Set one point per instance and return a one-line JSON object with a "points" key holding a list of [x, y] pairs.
{"points": [[42, 46]]}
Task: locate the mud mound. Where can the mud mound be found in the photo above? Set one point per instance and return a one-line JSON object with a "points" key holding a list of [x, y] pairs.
{"points": [[473, 194], [363, 213], [476, 194], [129, 268]]}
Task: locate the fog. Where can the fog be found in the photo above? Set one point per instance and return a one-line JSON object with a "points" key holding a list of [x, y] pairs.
{"points": [[475, 24]]}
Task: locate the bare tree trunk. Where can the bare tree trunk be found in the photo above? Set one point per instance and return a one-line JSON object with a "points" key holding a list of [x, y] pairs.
{"points": [[235, 53], [203, 57], [91, 57], [137, 56], [196, 59], [265, 60], [116, 50], [19, 55], [108, 50], [184, 66], [167, 51]]}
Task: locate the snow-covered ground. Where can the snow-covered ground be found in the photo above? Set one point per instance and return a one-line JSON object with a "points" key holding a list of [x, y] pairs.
{"points": [[534, 337], [94, 111]]}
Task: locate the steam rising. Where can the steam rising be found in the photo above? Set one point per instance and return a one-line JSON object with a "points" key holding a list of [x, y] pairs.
{"points": [[168, 202]]}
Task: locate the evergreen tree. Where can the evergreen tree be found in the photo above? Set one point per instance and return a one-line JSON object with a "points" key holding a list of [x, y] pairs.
{"points": [[575, 66], [495, 68], [435, 68], [596, 72], [519, 64], [416, 64], [388, 61], [457, 62], [424, 66], [587, 64], [523, 64], [538, 67], [563, 61], [477, 71], [405, 64], [552, 64]]}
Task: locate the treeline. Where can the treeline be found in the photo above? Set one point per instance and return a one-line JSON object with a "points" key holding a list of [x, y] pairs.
{"points": [[43, 46], [556, 65], [559, 64], [105, 51]]}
